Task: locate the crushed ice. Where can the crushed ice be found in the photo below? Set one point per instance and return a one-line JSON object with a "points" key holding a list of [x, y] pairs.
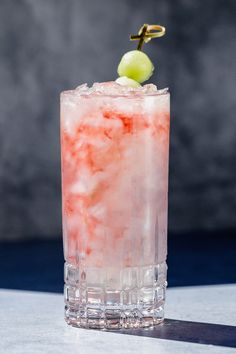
{"points": [[112, 88]]}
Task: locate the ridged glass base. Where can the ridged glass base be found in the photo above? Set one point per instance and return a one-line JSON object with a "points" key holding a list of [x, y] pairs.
{"points": [[108, 298]]}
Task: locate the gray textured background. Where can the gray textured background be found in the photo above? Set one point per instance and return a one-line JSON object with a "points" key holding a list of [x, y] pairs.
{"points": [[47, 46]]}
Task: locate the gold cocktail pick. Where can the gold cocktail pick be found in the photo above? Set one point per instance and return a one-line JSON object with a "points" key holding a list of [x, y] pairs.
{"points": [[146, 33]]}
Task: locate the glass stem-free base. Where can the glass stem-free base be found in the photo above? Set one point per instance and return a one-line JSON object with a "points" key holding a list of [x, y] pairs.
{"points": [[109, 298]]}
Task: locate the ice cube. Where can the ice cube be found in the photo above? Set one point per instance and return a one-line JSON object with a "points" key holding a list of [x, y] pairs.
{"points": [[86, 182], [82, 88], [98, 211], [149, 88]]}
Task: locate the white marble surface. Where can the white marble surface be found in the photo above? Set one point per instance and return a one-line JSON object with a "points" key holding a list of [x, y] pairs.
{"points": [[32, 323], [210, 304]]}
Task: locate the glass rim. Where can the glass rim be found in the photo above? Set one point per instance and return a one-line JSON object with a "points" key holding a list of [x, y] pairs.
{"points": [[132, 95]]}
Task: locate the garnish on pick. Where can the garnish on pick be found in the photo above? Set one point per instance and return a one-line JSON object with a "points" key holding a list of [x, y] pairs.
{"points": [[135, 64]]}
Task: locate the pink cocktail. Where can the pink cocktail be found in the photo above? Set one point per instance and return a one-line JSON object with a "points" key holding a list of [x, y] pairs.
{"points": [[115, 147]]}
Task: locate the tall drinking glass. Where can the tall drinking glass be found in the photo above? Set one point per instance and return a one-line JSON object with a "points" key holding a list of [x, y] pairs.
{"points": [[114, 152]]}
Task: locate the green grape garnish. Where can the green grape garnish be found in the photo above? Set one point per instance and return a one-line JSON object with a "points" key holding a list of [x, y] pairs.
{"points": [[135, 64], [125, 81]]}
